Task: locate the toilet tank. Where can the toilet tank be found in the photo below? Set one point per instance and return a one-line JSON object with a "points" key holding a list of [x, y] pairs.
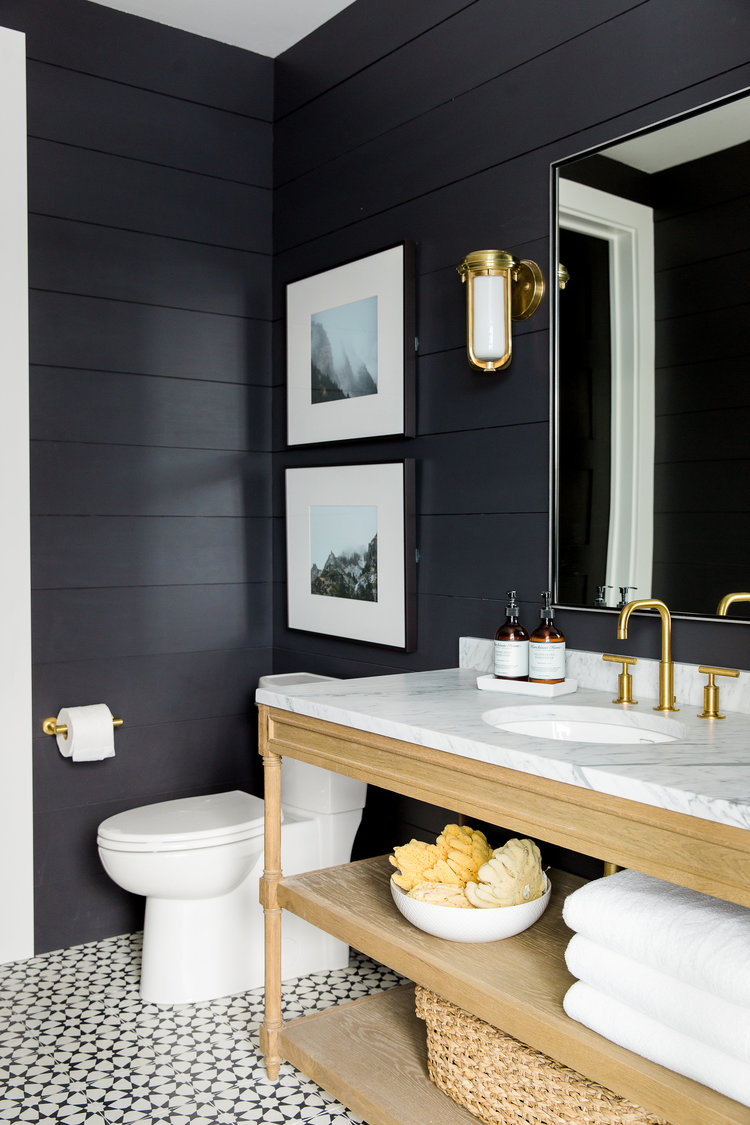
{"points": [[307, 787]]}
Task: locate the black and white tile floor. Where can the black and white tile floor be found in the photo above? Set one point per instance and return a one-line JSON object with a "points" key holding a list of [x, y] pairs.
{"points": [[78, 1046]]}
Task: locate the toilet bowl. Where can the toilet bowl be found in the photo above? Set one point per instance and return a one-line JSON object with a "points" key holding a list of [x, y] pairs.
{"points": [[198, 862]]}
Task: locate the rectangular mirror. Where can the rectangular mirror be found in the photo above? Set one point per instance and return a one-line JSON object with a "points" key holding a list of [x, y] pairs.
{"points": [[651, 488]]}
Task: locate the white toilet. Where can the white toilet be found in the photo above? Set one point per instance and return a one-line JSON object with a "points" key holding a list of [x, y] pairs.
{"points": [[199, 860]]}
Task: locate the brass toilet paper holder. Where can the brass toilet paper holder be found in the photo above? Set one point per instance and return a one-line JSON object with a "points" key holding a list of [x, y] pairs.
{"points": [[50, 726]]}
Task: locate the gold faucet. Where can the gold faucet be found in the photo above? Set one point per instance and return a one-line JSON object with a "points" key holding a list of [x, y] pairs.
{"points": [[728, 600], [666, 667]]}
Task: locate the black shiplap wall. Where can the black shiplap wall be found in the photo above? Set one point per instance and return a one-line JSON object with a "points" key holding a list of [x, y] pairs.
{"points": [[150, 248], [150, 228], [438, 123]]}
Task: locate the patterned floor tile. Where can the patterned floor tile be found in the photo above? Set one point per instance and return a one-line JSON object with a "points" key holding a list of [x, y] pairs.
{"points": [[79, 1047]]}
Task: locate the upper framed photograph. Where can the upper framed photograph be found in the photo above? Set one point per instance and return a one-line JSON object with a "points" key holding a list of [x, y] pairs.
{"points": [[351, 565], [350, 350]]}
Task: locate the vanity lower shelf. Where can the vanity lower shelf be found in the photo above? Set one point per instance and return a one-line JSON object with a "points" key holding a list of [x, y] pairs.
{"points": [[517, 985], [371, 1054]]}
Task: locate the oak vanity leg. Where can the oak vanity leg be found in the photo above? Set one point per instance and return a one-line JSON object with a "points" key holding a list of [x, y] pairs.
{"points": [[269, 1033]]}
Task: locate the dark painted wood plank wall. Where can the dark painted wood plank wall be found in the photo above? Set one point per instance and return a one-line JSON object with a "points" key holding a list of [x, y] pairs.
{"points": [[150, 189], [151, 313], [441, 128]]}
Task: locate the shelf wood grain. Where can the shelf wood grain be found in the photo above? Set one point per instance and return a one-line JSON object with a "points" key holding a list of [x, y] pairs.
{"points": [[371, 1054], [517, 984], [687, 850]]}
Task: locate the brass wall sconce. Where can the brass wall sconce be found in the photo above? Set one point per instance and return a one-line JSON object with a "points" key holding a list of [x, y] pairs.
{"points": [[499, 288]]}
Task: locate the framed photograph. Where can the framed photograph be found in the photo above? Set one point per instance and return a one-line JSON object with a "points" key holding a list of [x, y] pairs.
{"points": [[350, 552], [350, 350]]}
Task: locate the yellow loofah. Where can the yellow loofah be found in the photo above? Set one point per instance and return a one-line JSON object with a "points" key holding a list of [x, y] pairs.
{"points": [[413, 860], [511, 876], [480, 894], [465, 850], [440, 894], [454, 859], [442, 872]]}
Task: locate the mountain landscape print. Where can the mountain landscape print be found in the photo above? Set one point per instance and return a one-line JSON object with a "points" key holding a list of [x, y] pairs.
{"points": [[344, 552], [344, 351]]}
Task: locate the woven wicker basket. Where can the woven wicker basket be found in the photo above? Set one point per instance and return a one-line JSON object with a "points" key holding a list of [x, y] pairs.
{"points": [[504, 1082]]}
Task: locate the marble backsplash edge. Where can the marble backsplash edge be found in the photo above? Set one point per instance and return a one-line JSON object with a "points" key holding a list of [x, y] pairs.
{"points": [[591, 671]]}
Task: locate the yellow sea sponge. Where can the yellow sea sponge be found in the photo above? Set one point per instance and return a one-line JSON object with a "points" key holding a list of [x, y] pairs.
{"points": [[412, 860], [440, 894], [511, 876], [442, 872], [465, 849], [454, 859]]}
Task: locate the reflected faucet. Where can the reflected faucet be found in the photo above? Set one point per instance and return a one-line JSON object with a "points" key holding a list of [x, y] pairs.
{"points": [[728, 600], [666, 667]]}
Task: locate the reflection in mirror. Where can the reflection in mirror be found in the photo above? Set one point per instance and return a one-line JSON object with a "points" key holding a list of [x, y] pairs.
{"points": [[652, 398]]}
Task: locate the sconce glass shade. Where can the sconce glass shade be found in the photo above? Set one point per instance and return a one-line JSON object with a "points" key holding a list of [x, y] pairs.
{"points": [[499, 288], [490, 328]]}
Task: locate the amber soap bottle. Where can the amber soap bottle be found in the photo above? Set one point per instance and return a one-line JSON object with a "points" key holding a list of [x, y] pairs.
{"points": [[511, 645], [546, 648]]}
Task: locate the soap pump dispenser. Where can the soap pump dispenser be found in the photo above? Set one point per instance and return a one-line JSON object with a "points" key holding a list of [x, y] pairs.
{"points": [[511, 645], [546, 648]]}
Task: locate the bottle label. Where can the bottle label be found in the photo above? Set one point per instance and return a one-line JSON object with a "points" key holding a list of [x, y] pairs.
{"points": [[547, 660], [511, 659]]}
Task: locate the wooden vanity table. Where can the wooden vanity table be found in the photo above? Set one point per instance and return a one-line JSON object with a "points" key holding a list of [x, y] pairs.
{"points": [[371, 1054]]}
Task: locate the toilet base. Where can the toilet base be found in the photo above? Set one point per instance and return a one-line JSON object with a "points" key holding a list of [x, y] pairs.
{"points": [[201, 949], [208, 960]]}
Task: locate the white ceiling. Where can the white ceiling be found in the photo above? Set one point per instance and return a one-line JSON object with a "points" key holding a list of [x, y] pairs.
{"points": [[719, 128], [265, 26]]}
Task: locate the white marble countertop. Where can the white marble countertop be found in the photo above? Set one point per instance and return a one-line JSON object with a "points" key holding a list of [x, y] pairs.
{"points": [[706, 773]]}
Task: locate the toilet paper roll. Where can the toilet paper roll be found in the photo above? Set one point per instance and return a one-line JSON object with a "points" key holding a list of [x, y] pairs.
{"points": [[91, 734]]}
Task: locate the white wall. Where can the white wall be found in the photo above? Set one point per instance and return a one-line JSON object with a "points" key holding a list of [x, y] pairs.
{"points": [[16, 808]]}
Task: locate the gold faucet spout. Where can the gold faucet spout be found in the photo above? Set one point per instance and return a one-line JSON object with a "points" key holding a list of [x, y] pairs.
{"points": [[666, 666], [730, 599]]}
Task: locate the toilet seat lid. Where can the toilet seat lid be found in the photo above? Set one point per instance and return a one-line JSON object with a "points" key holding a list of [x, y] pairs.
{"points": [[190, 821]]}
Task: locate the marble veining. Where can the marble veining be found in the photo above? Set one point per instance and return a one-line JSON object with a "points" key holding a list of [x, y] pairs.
{"points": [[591, 671], [705, 774]]}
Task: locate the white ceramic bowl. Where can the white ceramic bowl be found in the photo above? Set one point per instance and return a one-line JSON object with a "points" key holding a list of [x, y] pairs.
{"points": [[475, 924]]}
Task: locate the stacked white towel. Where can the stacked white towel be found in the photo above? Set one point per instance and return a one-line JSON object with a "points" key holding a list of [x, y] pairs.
{"points": [[664, 972]]}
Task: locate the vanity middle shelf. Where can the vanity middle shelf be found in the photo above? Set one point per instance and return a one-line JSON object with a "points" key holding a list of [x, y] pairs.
{"points": [[517, 984]]}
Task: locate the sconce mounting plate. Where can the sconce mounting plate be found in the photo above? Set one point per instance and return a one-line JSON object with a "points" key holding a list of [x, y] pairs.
{"points": [[527, 290]]}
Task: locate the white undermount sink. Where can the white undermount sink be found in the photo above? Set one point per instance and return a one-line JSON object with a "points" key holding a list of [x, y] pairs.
{"points": [[584, 724]]}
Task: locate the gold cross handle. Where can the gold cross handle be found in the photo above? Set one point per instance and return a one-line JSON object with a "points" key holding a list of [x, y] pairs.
{"points": [[711, 692], [624, 680]]}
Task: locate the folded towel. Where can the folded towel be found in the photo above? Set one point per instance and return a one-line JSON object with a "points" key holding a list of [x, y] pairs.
{"points": [[655, 1041], [708, 1018], [701, 940]]}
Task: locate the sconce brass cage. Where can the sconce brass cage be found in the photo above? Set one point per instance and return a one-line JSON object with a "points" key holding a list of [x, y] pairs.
{"points": [[524, 285]]}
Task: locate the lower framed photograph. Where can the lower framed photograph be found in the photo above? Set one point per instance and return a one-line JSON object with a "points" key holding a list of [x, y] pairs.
{"points": [[351, 562]]}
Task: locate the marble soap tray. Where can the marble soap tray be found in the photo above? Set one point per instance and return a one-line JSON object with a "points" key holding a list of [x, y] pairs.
{"points": [[522, 687]]}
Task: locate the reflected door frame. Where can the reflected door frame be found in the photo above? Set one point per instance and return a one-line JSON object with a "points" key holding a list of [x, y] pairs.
{"points": [[628, 229], [16, 794]]}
